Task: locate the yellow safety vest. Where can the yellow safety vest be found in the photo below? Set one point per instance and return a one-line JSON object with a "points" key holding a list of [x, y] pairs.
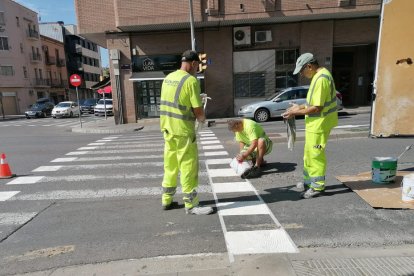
{"points": [[179, 93], [328, 117]]}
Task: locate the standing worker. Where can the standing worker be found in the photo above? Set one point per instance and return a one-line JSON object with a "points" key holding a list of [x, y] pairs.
{"points": [[180, 106], [321, 116]]}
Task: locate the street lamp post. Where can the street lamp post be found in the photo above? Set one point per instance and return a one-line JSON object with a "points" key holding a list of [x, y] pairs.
{"points": [[193, 42]]}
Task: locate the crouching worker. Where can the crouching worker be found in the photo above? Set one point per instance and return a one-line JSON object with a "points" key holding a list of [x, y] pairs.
{"points": [[254, 144]]}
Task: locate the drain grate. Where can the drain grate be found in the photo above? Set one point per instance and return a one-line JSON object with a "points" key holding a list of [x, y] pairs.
{"points": [[381, 266]]}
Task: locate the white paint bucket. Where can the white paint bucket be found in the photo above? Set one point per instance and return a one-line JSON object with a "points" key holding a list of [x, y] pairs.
{"points": [[408, 188]]}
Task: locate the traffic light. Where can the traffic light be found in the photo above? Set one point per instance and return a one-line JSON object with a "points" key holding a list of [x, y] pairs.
{"points": [[203, 62]]}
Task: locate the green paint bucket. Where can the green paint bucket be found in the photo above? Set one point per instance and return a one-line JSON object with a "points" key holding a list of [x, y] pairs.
{"points": [[384, 170]]}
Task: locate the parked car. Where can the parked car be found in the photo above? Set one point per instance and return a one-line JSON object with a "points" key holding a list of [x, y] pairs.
{"points": [[275, 105], [87, 106], [66, 109], [102, 105], [38, 110]]}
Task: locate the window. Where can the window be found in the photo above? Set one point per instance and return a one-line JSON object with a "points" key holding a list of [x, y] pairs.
{"points": [[286, 56], [6, 70], [4, 43], [250, 84], [286, 79], [25, 72], [2, 21], [17, 21]]}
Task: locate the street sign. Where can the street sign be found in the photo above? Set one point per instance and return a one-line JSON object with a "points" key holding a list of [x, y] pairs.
{"points": [[75, 80]]}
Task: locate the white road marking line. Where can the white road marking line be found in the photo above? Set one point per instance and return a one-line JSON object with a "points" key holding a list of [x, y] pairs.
{"points": [[218, 161], [215, 153], [111, 137], [208, 135], [241, 208], [100, 141], [46, 125], [205, 131], [117, 146], [96, 144], [222, 172], [210, 142], [68, 159], [25, 180], [207, 138], [47, 169], [7, 195], [212, 147], [87, 148], [232, 187], [77, 153], [15, 218], [260, 242], [105, 193]]}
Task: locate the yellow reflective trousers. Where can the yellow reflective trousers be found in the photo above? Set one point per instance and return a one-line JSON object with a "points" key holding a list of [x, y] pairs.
{"points": [[314, 160], [180, 155]]}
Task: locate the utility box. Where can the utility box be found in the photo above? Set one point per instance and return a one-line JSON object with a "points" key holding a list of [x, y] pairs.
{"points": [[393, 95]]}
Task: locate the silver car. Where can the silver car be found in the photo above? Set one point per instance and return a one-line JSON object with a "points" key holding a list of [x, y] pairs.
{"points": [[275, 105]]}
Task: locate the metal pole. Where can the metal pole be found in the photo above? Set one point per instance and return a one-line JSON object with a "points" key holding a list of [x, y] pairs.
{"points": [[80, 117], [104, 103], [193, 42]]}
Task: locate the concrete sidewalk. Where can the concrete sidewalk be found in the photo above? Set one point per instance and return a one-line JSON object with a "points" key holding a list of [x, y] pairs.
{"points": [[108, 126]]}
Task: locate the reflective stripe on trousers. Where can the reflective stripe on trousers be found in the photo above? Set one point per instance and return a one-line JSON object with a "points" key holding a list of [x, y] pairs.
{"points": [[314, 159], [180, 155]]}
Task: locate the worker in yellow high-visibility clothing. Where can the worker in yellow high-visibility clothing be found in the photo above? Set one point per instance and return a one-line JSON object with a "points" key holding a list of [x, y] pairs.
{"points": [[321, 116], [180, 106]]}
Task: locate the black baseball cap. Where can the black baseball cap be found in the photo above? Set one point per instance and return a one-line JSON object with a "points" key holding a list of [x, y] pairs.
{"points": [[190, 55]]}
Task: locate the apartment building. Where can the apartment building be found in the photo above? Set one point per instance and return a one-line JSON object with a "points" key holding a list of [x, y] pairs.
{"points": [[22, 68], [251, 46], [82, 56]]}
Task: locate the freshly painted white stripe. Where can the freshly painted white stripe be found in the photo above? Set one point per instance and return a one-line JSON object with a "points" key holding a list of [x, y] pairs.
{"points": [[117, 146], [111, 137], [212, 147], [46, 125], [100, 141], [15, 218], [31, 125], [218, 161], [87, 148], [47, 169], [210, 142], [222, 172], [97, 166], [207, 135], [96, 144], [232, 187], [25, 180], [7, 195], [240, 208], [259, 242], [205, 131], [77, 153], [106, 193], [67, 159], [207, 138], [215, 153]]}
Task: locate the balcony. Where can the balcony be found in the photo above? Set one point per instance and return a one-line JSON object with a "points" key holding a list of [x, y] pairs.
{"points": [[50, 60], [57, 83], [35, 57], [78, 49], [32, 34], [60, 62], [41, 82]]}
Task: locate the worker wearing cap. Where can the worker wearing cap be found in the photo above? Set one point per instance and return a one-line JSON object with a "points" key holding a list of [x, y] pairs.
{"points": [[321, 116], [180, 107]]}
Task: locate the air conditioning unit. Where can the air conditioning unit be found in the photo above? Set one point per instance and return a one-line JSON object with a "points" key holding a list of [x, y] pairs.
{"points": [[262, 36], [241, 36]]}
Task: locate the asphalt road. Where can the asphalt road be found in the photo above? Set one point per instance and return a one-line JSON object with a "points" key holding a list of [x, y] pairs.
{"points": [[82, 198]]}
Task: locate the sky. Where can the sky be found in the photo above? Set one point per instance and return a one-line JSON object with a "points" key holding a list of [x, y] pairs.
{"points": [[58, 10]]}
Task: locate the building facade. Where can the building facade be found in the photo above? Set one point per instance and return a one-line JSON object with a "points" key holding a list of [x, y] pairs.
{"points": [[23, 77], [251, 46], [82, 57]]}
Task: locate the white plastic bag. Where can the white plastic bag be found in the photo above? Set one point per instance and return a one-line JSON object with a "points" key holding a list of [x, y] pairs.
{"points": [[240, 167]]}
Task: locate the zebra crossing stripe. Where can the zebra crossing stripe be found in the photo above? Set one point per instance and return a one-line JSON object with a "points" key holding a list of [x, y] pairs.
{"points": [[222, 172], [118, 146], [25, 180], [15, 218], [87, 148], [208, 135], [209, 142], [113, 151], [97, 166], [212, 147], [232, 187], [96, 144], [77, 153], [8, 195], [241, 208], [67, 159], [47, 169], [218, 161], [207, 138], [215, 153]]}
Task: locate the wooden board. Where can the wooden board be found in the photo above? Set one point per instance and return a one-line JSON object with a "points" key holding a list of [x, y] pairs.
{"points": [[377, 195]]}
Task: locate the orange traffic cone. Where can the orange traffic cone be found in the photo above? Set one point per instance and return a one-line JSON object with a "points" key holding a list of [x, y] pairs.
{"points": [[5, 171]]}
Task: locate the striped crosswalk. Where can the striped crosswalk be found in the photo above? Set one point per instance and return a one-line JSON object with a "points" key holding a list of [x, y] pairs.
{"points": [[130, 166], [47, 122]]}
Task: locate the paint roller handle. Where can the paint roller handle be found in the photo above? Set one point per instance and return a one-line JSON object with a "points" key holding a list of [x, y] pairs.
{"points": [[406, 149]]}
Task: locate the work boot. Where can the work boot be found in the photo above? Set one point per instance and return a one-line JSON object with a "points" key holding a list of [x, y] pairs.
{"points": [[169, 206], [253, 172], [199, 210], [310, 193]]}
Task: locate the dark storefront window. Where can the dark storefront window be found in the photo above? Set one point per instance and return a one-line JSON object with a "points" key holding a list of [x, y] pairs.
{"points": [[250, 84], [285, 57], [286, 79]]}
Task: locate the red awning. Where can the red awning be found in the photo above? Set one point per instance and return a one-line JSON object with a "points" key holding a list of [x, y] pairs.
{"points": [[106, 90]]}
